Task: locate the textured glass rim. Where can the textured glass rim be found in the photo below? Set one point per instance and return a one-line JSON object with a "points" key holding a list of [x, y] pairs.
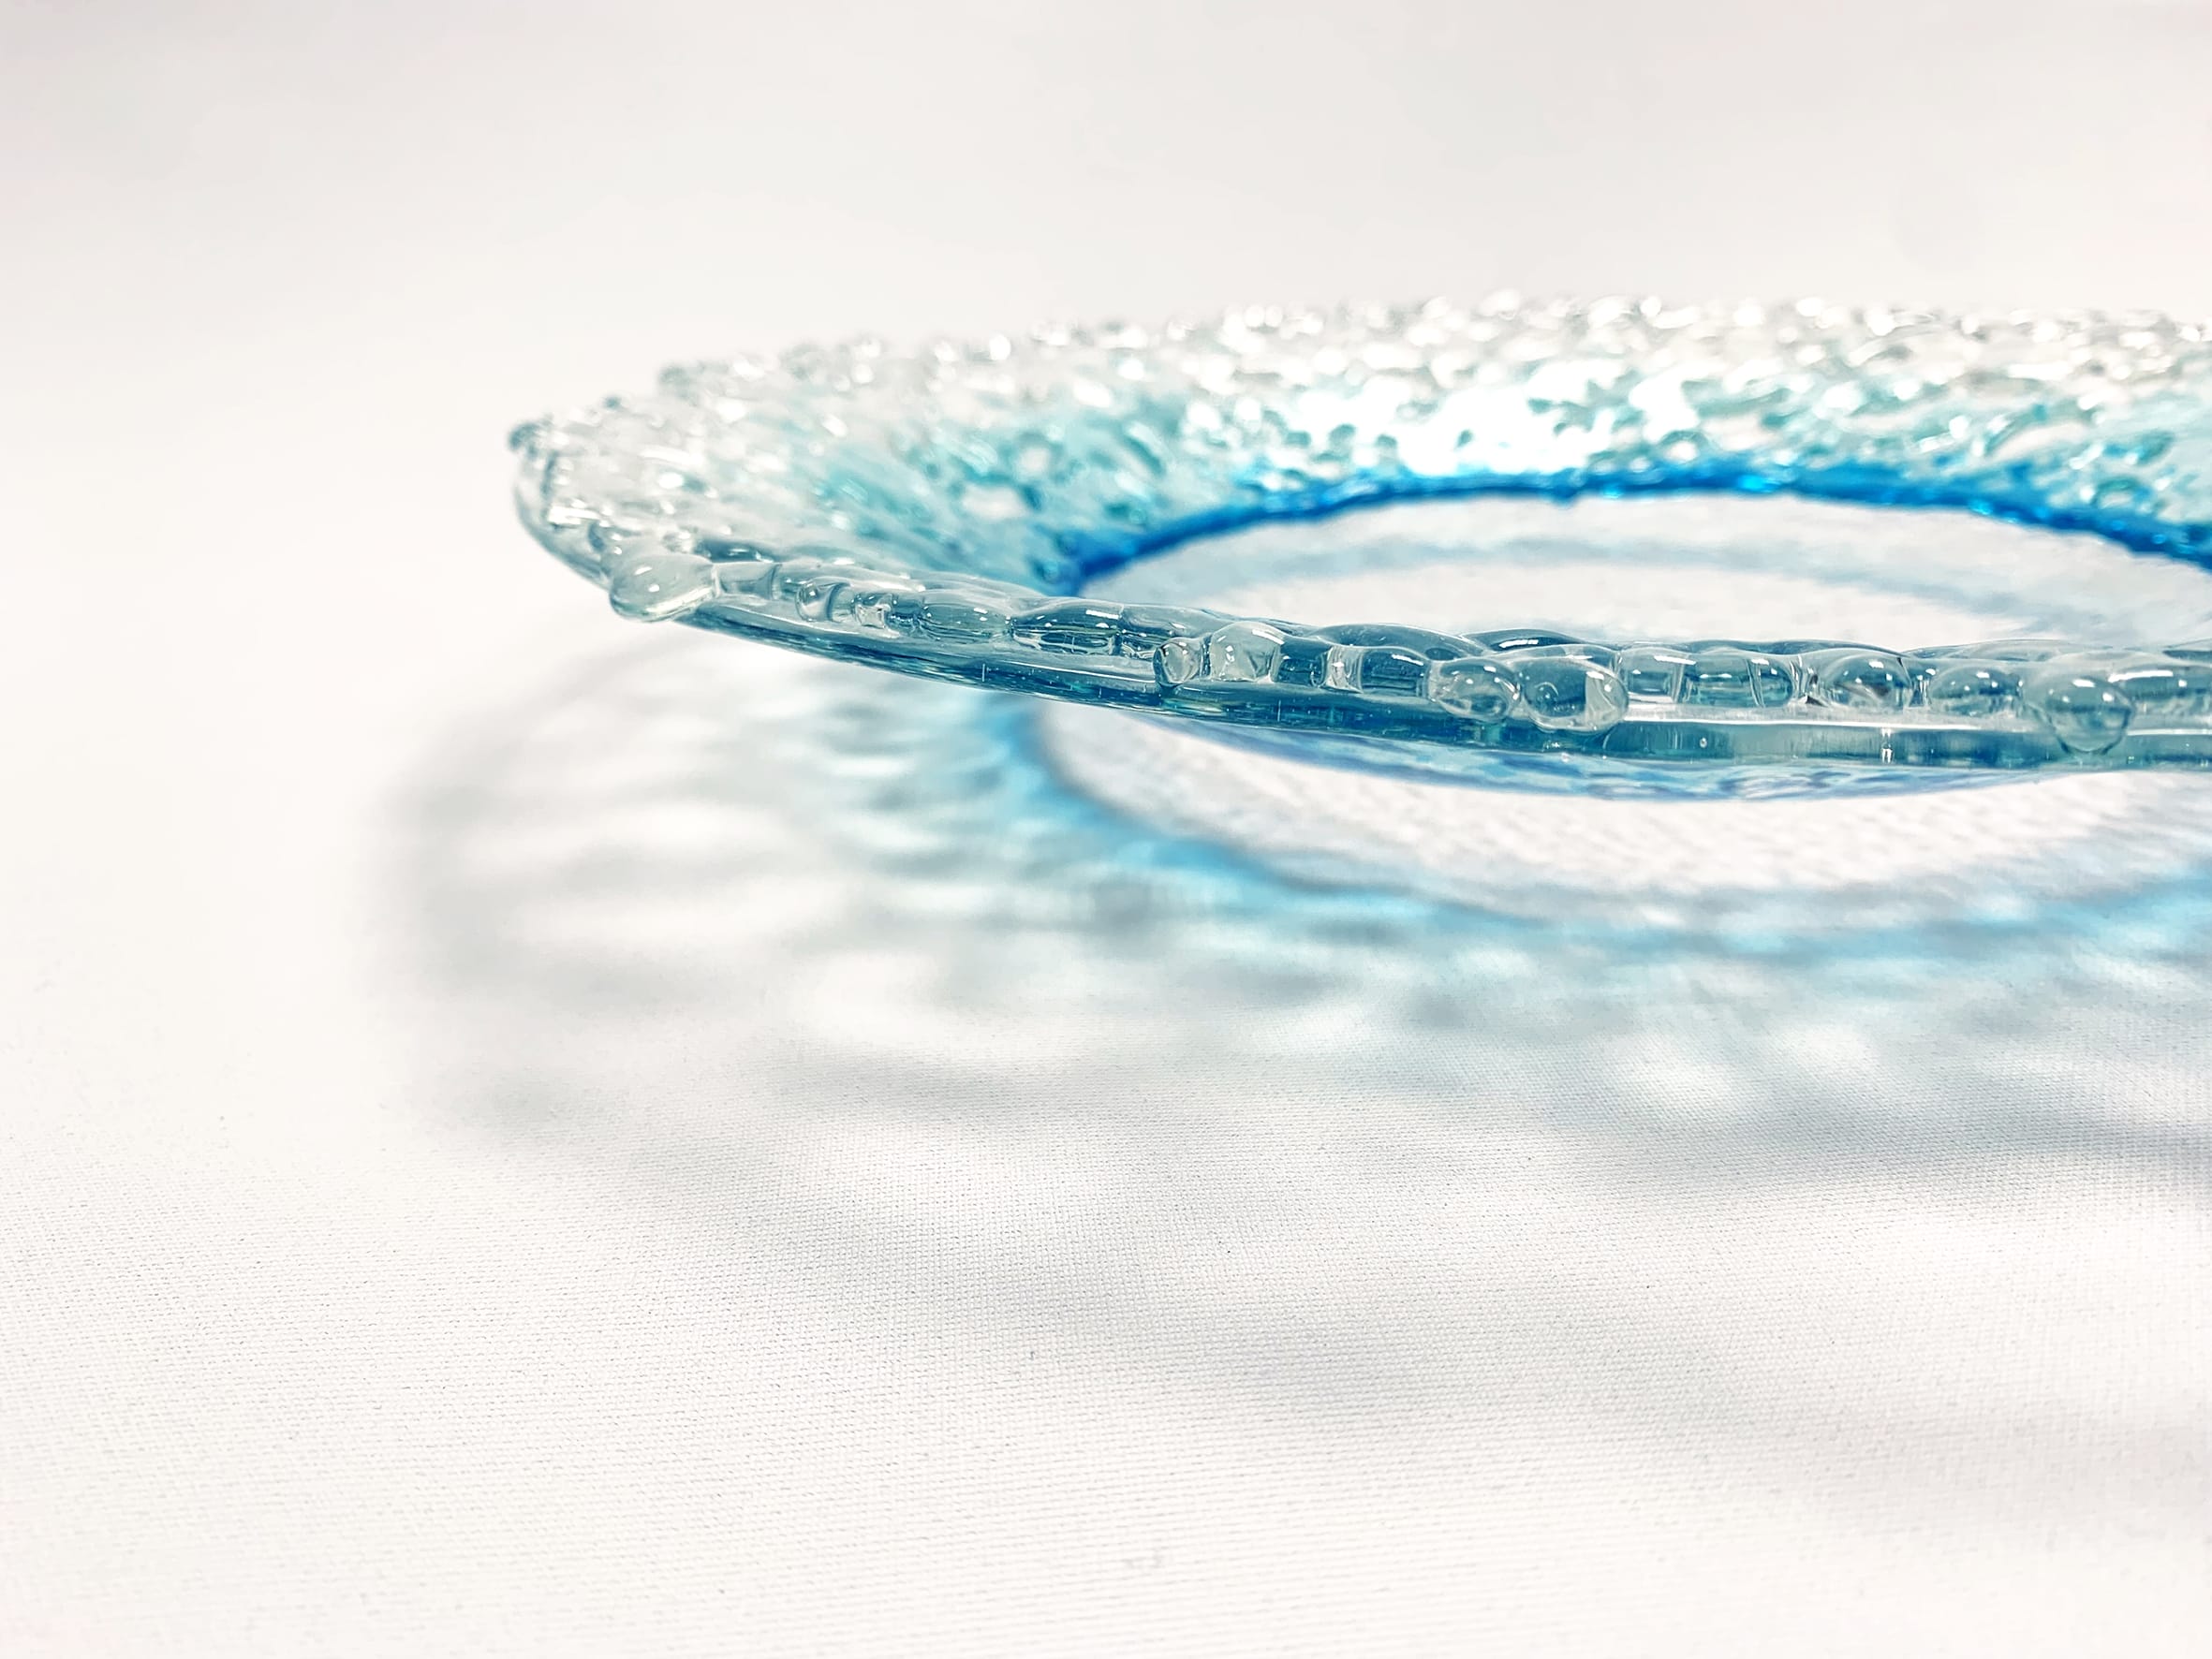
{"points": [[872, 507]]}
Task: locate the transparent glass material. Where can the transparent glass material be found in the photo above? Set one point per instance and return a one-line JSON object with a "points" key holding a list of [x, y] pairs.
{"points": [[943, 512]]}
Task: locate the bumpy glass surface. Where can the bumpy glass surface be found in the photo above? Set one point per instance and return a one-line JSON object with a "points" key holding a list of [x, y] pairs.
{"points": [[965, 511]]}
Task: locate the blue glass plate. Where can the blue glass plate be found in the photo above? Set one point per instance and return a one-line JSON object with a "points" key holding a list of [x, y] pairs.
{"points": [[955, 511]]}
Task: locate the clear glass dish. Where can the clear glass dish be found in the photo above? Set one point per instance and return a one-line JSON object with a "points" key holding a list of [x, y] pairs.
{"points": [[951, 511]]}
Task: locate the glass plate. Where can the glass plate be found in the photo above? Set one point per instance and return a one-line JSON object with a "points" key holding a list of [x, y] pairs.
{"points": [[966, 511]]}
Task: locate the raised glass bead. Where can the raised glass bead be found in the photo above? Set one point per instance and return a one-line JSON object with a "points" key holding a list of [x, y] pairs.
{"points": [[1475, 687], [744, 571], [2087, 712], [1380, 670], [1307, 661], [1088, 627], [658, 583], [1873, 679], [1564, 694], [1728, 678], [1652, 672], [1244, 651], [866, 597], [1971, 691], [808, 586], [948, 615], [1178, 661], [747, 581]]}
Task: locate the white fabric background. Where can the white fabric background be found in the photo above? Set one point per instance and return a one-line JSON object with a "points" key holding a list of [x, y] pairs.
{"points": [[407, 1250]]}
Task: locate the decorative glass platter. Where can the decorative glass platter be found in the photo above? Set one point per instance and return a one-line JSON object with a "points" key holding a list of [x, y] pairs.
{"points": [[972, 512]]}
